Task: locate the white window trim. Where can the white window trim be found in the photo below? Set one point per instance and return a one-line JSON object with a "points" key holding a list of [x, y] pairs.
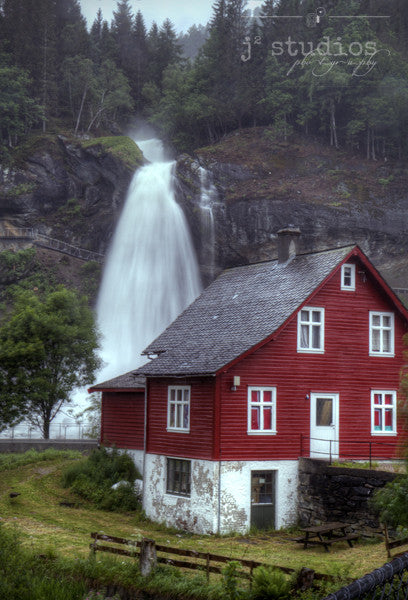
{"points": [[299, 331], [393, 393], [169, 403], [352, 286], [262, 389], [372, 352]]}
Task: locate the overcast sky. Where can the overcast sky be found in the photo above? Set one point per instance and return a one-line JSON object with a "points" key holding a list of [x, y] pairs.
{"points": [[182, 14]]}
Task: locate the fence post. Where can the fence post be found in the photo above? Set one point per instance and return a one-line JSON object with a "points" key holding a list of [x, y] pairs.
{"points": [[207, 566], [148, 556]]}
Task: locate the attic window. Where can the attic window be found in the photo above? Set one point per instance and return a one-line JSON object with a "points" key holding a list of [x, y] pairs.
{"points": [[348, 277]]}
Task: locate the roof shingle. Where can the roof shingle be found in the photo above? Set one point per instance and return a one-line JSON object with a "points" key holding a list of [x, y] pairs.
{"points": [[240, 309]]}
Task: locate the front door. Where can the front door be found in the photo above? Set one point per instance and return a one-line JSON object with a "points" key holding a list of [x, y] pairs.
{"points": [[263, 493], [324, 426]]}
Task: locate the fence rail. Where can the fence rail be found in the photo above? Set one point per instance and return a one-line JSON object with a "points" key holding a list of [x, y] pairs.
{"points": [[387, 582], [349, 449], [134, 549]]}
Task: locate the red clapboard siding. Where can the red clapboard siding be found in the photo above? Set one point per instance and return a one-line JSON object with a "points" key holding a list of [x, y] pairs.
{"points": [[123, 419], [198, 443], [345, 368]]}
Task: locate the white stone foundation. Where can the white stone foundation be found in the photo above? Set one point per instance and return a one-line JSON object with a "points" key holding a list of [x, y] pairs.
{"points": [[204, 511]]}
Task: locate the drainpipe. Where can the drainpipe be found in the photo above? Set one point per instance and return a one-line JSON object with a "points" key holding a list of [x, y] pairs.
{"points": [[219, 498], [144, 444]]}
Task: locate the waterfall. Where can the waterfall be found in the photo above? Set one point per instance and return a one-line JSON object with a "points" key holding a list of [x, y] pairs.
{"points": [[208, 197], [151, 273]]}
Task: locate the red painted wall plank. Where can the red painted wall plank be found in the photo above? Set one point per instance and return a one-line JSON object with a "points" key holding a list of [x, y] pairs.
{"points": [[198, 443], [123, 419]]}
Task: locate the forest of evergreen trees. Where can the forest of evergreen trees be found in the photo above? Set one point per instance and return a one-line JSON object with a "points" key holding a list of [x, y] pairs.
{"points": [[339, 74]]}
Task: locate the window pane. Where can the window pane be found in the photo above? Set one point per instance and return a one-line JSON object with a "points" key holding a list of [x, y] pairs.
{"points": [[179, 395], [304, 336], [386, 341], [386, 321], [304, 315], [316, 316], [267, 396], [179, 416], [185, 417], [376, 340], [316, 336], [388, 399], [187, 395], [376, 320], [267, 417], [388, 419], [172, 422], [378, 419], [255, 396], [378, 398], [324, 412], [255, 413]]}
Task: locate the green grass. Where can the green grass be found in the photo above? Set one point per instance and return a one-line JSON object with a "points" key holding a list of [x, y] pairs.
{"points": [[121, 147], [48, 528]]}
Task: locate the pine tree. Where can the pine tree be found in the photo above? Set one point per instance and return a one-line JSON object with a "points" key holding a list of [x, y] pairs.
{"points": [[141, 60]]}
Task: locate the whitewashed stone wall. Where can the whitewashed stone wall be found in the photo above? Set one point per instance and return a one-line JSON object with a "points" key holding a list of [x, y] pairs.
{"points": [[137, 456], [203, 511]]}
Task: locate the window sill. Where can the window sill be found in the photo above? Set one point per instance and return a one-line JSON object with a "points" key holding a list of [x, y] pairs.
{"points": [[178, 494], [309, 351], [173, 430], [261, 432], [383, 354], [384, 433]]}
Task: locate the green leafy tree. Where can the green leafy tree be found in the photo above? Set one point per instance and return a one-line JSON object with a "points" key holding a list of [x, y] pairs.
{"points": [[48, 347], [112, 95]]}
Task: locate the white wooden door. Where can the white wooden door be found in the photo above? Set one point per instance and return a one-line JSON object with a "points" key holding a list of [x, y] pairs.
{"points": [[324, 426]]}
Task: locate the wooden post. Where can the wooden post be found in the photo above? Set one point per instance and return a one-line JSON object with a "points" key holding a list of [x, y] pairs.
{"points": [[148, 556], [208, 567], [305, 579]]}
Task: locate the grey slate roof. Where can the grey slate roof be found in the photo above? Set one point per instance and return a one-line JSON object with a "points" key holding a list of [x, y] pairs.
{"points": [[127, 381], [240, 309]]}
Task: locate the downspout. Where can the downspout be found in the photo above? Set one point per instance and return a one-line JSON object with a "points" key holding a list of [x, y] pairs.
{"points": [[219, 498], [144, 444]]}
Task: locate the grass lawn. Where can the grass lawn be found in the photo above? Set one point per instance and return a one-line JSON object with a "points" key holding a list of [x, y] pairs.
{"points": [[47, 526]]}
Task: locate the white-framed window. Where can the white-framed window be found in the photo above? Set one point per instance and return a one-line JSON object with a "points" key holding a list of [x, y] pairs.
{"points": [[383, 412], [261, 409], [381, 334], [178, 479], [311, 329], [348, 277], [178, 408]]}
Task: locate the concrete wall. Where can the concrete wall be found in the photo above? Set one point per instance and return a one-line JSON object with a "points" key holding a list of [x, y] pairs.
{"points": [[21, 445], [204, 511], [338, 494]]}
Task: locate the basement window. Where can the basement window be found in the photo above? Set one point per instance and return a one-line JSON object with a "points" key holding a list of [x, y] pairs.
{"points": [[348, 277], [178, 477], [383, 412]]}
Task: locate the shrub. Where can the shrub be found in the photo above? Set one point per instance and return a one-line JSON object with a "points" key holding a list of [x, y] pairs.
{"points": [[269, 583], [93, 478]]}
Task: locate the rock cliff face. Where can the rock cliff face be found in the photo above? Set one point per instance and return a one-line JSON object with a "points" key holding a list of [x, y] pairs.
{"points": [[263, 184], [236, 195], [68, 189]]}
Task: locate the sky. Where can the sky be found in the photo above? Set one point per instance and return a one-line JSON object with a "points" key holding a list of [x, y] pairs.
{"points": [[181, 13]]}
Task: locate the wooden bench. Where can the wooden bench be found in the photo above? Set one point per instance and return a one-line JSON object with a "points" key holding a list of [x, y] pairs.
{"points": [[326, 535]]}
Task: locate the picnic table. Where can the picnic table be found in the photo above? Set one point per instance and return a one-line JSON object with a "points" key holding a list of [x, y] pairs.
{"points": [[326, 535]]}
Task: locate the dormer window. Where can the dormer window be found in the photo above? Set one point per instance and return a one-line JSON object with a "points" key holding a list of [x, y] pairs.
{"points": [[348, 277]]}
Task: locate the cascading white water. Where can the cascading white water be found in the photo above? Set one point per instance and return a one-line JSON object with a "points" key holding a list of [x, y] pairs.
{"points": [[208, 197], [151, 273]]}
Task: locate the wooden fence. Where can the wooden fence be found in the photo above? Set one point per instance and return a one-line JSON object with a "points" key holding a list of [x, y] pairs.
{"points": [[203, 561]]}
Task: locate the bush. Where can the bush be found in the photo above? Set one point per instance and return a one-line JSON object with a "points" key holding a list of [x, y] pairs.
{"points": [[93, 478], [270, 584]]}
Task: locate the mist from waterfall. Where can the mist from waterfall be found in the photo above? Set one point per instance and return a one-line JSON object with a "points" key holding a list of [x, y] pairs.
{"points": [[151, 273]]}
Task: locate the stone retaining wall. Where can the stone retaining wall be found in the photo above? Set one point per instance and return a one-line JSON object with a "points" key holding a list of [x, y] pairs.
{"points": [[337, 493], [22, 445]]}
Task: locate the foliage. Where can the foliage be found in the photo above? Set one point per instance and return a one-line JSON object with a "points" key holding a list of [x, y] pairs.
{"points": [[92, 415], [10, 461], [230, 581], [269, 584], [93, 478], [391, 502], [25, 577], [47, 348]]}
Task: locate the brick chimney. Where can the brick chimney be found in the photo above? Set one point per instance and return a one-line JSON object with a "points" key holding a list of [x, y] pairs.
{"points": [[288, 238]]}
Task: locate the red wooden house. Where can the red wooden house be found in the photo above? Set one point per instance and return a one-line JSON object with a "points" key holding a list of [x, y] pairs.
{"points": [[297, 356]]}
